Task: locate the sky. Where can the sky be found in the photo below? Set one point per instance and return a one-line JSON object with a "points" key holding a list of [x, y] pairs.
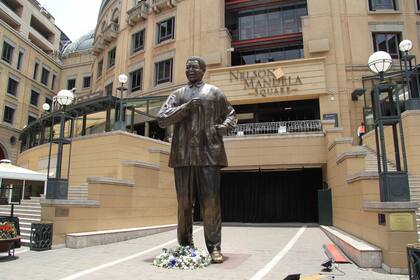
{"points": [[74, 17]]}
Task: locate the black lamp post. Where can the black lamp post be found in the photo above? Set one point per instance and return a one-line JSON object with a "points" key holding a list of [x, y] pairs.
{"points": [[57, 186], [411, 76], [120, 125], [386, 112]]}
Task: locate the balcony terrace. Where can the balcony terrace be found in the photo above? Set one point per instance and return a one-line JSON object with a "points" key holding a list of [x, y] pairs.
{"points": [[139, 12], [158, 5], [111, 32]]}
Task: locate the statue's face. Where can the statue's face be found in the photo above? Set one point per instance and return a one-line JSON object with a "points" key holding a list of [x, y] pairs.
{"points": [[193, 71]]}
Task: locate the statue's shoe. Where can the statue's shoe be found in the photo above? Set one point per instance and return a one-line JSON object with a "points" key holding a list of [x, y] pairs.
{"points": [[217, 257]]}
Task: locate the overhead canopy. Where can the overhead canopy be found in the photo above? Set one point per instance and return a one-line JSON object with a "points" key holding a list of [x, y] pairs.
{"points": [[10, 171]]}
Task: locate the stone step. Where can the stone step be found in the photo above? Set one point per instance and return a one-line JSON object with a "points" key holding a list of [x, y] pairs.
{"points": [[22, 215], [362, 253], [21, 210]]}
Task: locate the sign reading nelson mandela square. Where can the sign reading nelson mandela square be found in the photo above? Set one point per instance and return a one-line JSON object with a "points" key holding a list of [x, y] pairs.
{"points": [[267, 82]]}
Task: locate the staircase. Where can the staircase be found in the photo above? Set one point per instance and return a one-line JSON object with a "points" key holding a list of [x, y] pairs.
{"points": [[371, 161], [28, 212], [371, 164]]}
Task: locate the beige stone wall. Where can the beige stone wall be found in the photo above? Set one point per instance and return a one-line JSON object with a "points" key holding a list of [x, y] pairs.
{"points": [[195, 27], [143, 194], [350, 214], [21, 102]]}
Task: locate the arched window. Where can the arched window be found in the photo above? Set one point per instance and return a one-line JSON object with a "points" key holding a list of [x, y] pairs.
{"points": [[114, 17]]}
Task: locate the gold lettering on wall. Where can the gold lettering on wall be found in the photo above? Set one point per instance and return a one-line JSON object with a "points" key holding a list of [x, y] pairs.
{"points": [[269, 82]]}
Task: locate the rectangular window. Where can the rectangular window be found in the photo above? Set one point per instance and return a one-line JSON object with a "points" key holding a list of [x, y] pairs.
{"points": [[267, 55], [165, 30], [268, 22], [7, 54], [136, 78], [163, 72], [138, 41], [45, 75], [34, 98], [382, 5], [31, 119], [48, 101], [71, 84], [8, 114], [53, 81], [86, 82], [418, 5], [12, 86], [19, 62], [108, 90], [387, 42], [111, 57], [100, 67], [36, 70]]}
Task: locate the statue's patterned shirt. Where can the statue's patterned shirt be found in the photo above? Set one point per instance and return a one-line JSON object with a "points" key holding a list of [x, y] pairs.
{"points": [[195, 140]]}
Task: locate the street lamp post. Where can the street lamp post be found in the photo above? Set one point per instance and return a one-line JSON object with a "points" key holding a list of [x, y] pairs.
{"points": [[57, 187], [121, 124], [411, 76], [386, 112]]}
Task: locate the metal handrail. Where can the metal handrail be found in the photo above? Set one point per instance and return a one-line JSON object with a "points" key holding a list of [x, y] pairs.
{"points": [[284, 127]]}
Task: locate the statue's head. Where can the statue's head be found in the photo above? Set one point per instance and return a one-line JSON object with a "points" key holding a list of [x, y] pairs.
{"points": [[195, 69]]}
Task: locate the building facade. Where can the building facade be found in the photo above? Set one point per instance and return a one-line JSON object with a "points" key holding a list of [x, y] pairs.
{"points": [[293, 71]]}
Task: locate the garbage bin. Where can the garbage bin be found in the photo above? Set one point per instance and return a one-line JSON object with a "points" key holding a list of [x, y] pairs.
{"points": [[41, 236], [413, 255]]}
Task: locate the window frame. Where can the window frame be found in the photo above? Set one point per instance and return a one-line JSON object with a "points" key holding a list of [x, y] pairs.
{"points": [[167, 36], [163, 80], [13, 110], [36, 67], [396, 55], [45, 79], [68, 83], [10, 49], [53, 79], [133, 40], [19, 61], [112, 54], [109, 86], [84, 81], [100, 68], [372, 7], [31, 117], [32, 100], [138, 87], [16, 88]]}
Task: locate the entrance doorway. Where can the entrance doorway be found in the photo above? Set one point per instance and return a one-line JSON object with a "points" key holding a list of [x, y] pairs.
{"points": [[269, 196]]}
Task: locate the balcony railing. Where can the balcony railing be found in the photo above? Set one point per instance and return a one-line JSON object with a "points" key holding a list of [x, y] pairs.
{"points": [[111, 32], [289, 127], [137, 13]]}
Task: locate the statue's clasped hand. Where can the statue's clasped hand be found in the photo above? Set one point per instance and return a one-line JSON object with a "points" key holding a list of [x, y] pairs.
{"points": [[193, 103], [221, 129]]}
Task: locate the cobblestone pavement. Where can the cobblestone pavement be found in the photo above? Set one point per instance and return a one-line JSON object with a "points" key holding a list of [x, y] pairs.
{"points": [[252, 253]]}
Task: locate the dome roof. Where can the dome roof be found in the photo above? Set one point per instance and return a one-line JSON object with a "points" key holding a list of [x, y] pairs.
{"points": [[82, 44]]}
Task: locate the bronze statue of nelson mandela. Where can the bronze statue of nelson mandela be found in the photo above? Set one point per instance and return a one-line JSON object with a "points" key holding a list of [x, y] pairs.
{"points": [[201, 115]]}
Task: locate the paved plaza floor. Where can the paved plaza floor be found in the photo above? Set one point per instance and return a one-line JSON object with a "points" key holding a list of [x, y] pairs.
{"points": [[252, 253]]}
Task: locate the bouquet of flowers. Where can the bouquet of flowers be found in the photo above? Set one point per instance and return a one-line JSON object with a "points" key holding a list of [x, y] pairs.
{"points": [[7, 230], [182, 257]]}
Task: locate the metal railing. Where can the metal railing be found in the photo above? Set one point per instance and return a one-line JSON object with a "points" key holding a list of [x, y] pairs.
{"points": [[287, 127]]}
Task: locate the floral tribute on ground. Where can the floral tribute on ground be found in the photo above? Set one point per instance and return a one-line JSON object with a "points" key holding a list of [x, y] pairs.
{"points": [[182, 257], [7, 231]]}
